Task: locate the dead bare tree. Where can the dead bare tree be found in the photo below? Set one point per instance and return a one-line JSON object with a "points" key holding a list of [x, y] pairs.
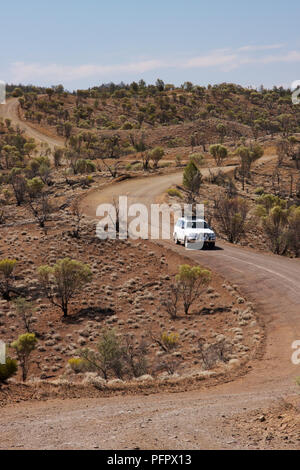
{"points": [[113, 168], [135, 356], [77, 213], [40, 208], [157, 340], [212, 353], [232, 214], [168, 364], [171, 300], [145, 160]]}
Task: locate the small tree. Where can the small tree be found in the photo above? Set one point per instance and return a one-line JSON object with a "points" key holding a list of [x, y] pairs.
{"points": [[192, 180], [156, 155], [108, 358], [197, 158], [219, 153], [248, 155], [160, 84], [7, 267], [275, 225], [67, 129], [63, 281], [34, 187], [221, 130], [29, 147], [24, 346], [286, 122], [50, 92], [192, 281], [24, 310], [58, 156], [275, 218], [266, 202], [232, 214]]}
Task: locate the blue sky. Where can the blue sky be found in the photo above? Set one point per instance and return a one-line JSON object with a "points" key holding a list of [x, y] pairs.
{"points": [[84, 43]]}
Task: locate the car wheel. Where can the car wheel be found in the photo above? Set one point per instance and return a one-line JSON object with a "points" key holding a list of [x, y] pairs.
{"points": [[176, 239]]}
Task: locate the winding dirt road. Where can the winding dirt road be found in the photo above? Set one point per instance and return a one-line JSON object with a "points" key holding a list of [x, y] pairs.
{"points": [[192, 420], [11, 111], [271, 282]]}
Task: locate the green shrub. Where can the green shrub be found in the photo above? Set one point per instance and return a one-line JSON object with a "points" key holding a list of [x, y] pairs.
{"points": [[259, 191], [136, 166], [192, 281], [85, 166], [8, 369], [109, 357], [24, 346], [170, 341], [197, 158], [127, 125], [78, 364], [84, 124], [174, 193]]}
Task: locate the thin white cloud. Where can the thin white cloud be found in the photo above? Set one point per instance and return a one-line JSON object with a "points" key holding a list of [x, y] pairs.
{"points": [[289, 57], [254, 48], [22, 72], [212, 60], [292, 56], [225, 60]]}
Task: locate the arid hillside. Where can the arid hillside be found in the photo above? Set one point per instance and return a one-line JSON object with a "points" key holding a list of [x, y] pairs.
{"points": [[87, 318], [145, 116]]}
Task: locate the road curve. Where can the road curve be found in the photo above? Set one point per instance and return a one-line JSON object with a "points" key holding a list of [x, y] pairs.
{"points": [[189, 420], [271, 282], [10, 110], [192, 419]]}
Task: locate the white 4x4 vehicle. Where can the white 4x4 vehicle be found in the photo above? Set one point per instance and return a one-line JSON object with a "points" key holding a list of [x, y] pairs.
{"points": [[194, 230]]}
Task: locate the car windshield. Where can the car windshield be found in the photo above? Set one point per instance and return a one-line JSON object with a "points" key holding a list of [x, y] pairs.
{"points": [[197, 224]]}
